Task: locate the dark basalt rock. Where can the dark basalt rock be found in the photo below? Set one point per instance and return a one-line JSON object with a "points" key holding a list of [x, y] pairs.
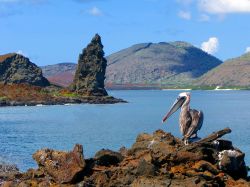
{"points": [[16, 69], [90, 74], [107, 157], [157, 159], [232, 161]]}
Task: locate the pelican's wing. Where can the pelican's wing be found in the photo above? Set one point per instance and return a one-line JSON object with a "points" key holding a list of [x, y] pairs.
{"points": [[197, 121]]}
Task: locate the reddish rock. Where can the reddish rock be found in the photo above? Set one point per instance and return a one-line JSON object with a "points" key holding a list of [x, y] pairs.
{"points": [[157, 159], [63, 167]]}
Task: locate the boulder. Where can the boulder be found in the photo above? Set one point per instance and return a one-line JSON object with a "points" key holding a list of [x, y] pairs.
{"points": [[90, 73], [63, 167], [232, 162], [16, 69], [8, 170], [107, 157]]}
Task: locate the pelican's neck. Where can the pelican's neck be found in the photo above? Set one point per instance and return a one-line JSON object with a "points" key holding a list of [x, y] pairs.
{"points": [[185, 107]]}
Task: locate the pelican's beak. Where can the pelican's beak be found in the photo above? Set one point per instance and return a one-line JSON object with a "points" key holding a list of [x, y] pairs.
{"points": [[177, 104]]}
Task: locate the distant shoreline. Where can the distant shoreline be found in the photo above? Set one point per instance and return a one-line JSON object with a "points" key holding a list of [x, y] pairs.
{"points": [[172, 87], [181, 89]]}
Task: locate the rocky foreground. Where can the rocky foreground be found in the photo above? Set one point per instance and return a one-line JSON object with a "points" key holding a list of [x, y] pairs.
{"points": [[157, 159]]}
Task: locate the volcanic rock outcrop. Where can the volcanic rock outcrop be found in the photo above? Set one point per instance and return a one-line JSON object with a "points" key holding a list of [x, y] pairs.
{"points": [[16, 69], [157, 159], [90, 74]]}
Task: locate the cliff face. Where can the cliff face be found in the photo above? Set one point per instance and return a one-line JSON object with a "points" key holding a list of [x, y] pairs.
{"points": [[15, 68], [90, 74]]}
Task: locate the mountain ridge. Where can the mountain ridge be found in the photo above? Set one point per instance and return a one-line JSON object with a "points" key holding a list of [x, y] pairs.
{"points": [[233, 72], [159, 64]]}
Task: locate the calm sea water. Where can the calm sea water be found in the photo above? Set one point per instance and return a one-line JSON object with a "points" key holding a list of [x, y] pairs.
{"points": [[23, 130]]}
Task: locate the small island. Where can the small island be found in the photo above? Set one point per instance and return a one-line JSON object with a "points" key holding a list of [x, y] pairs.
{"points": [[23, 84]]}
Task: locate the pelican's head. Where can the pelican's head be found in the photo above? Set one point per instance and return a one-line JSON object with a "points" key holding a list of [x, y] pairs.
{"points": [[177, 104]]}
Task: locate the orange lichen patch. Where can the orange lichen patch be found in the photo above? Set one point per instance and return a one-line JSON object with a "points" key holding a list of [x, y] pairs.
{"points": [[4, 57], [185, 156], [238, 183], [23, 92], [221, 175], [205, 166], [208, 174], [178, 169]]}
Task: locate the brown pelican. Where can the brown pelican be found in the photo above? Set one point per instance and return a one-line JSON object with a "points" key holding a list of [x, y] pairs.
{"points": [[190, 119]]}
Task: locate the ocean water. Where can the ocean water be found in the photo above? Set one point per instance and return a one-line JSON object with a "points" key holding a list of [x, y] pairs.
{"points": [[23, 130]]}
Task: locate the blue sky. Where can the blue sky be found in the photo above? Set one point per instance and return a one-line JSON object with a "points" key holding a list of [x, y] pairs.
{"points": [[54, 31]]}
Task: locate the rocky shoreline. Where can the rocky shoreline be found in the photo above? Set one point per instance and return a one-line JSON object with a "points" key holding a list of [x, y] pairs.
{"points": [[23, 84], [28, 95], [157, 159], [64, 101]]}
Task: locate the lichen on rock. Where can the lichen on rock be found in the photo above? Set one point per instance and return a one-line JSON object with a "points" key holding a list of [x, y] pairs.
{"points": [[157, 159], [63, 167]]}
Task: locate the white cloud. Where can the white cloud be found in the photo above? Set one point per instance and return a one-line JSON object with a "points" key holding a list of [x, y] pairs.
{"points": [[185, 15], [247, 50], [20, 52], [211, 46], [204, 18], [95, 11], [224, 6]]}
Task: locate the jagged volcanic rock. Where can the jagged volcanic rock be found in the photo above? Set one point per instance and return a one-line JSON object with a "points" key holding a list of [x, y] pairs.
{"points": [[15, 68], [90, 74], [107, 157], [157, 159], [55, 163]]}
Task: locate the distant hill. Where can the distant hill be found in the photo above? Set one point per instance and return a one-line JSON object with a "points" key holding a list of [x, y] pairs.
{"points": [[233, 72], [17, 69], [146, 64], [163, 64], [61, 74]]}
